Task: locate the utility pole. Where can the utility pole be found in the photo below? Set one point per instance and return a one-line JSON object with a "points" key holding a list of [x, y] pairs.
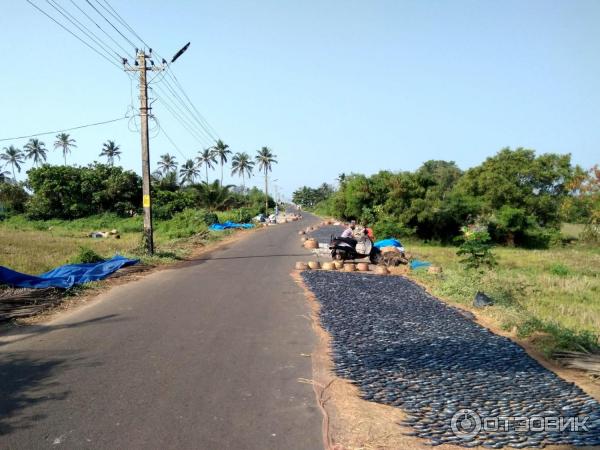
{"points": [[142, 68]]}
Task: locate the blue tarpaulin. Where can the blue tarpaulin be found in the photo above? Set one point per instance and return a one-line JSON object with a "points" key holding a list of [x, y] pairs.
{"points": [[416, 264], [388, 243], [65, 276], [227, 225]]}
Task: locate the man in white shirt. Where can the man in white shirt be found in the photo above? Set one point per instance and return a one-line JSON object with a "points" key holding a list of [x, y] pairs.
{"points": [[349, 232]]}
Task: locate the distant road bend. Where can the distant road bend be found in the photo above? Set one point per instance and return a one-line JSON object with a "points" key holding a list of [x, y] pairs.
{"points": [[204, 356]]}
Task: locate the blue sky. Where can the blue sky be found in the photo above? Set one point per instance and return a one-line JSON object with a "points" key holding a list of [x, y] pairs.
{"points": [[330, 86]]}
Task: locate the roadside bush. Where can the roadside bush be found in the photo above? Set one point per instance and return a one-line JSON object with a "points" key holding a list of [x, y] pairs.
{"points": [[476, 249], [167, 203], [13, 198], [86, 256], [187, 223], [390, 228]]}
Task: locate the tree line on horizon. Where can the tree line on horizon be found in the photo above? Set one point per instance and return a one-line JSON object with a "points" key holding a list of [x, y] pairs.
{"points": [[520, 198], [68, 192]]}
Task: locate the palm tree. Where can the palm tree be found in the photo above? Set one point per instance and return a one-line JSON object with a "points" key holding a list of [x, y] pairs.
{"points": [[111, 151], [213, 196], [242, 165], [14, 157], [64, 141], [207, 158], [36, 150], [221, 150], [189, 172], [265, 158], [167, 163]]}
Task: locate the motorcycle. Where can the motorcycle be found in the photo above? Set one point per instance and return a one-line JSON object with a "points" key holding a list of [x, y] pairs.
{"points": [[344, 249]]}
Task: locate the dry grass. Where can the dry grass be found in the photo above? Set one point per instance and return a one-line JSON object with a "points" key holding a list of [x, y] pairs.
{"points": [[555, 291]]}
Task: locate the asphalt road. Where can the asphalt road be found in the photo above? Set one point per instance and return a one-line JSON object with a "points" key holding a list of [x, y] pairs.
{"points": [[205, 356]]}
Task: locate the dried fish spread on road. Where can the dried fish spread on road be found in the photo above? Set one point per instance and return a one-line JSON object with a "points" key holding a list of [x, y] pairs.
{"points": [[405, 348]]}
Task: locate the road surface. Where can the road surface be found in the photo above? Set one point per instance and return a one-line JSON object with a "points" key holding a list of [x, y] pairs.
{"points": [[205, 356]]}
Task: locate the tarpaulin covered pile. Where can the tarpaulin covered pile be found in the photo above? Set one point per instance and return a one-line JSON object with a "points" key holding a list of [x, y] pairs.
{"points": [[65, 276], [388, 243], [227, 225]]}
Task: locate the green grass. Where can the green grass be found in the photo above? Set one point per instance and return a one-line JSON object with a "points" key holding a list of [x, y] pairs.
{"points": [[550, 295], [38, 246]]}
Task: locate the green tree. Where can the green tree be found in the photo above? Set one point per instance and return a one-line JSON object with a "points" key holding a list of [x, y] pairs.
{"points": [[265, 159], [516, 187], [72, 192], [36, 150], [167, 163], [188, 172], [110, 150], [64, 142], [242, 165], [13, 197], [221, 151], [13, 156], [214, 196], [207, 159]]}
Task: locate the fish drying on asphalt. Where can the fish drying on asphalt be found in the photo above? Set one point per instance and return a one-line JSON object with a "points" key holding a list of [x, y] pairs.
{"points": [[323, 233], [405, 348]]}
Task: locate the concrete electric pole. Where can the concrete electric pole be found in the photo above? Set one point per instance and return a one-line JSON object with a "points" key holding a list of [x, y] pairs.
{"points": [[140, 66]]}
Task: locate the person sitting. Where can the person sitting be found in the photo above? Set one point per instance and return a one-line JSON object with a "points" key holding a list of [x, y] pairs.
{"points": [[349, 232]]}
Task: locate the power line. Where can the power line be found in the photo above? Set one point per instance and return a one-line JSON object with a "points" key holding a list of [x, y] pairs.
{"points": [[189, 111], [110, 23], [160, 127], [73, 34], [172, 74], [101, 29], [183, 122], [118, 17], [79, 26], [66, 129]]}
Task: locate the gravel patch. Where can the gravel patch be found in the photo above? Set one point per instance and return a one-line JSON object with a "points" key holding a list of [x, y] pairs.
{"points": [[405, 348]]}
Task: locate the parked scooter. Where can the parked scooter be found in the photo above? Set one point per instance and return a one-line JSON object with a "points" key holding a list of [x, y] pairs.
{"points": [[344, 249]]}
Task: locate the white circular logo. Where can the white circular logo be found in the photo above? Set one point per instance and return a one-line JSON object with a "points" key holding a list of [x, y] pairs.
{"points": [[466, 423]]}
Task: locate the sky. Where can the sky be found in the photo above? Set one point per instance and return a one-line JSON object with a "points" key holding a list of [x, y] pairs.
{"points": [[330, 86]]}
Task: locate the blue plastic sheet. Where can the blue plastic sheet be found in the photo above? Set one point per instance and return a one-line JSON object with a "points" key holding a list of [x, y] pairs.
{"points": [[416, 264], [388, 243], [227, 225], [65, 276]]}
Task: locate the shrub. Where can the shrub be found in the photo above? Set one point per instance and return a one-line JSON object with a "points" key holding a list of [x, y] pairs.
{"points": [[85, 256], [186, 223], [12, 198], [390, 228], [476, 249]]}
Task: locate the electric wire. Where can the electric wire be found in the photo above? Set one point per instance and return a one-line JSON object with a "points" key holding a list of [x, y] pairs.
{"points": [[73, 34], [69, 17], [110, 23], [118, 17], [201, 140], [66, 129], [101, 29], [189, 111]]}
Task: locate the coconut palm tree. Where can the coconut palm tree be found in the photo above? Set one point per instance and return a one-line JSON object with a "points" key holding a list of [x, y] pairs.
{"points": [[208, 159], [265, 158], [242, 165], [167, 163], [64, 141], [111, 151], [221, 150], [188, 172], [213, 196], [14, 157], [36, 150]]}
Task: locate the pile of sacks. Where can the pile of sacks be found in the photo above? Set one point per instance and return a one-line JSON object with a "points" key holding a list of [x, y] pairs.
{"points": [[392, 252]]}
